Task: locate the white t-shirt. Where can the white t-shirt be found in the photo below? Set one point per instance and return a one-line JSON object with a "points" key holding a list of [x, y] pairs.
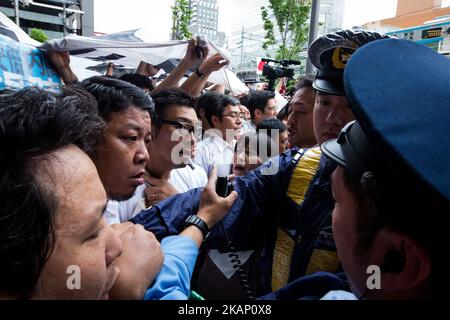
{"points": [[182, 179], [214, 150]]}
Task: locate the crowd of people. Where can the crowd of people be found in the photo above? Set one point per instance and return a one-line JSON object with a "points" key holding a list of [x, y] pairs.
{"points": [[123, 188]]}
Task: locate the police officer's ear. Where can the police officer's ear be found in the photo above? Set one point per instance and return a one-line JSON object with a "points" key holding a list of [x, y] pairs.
{"points": [[406, 263], [394, 261]]}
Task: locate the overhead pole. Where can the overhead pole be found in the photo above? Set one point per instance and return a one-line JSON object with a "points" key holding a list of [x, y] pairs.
{"points": [[16, 12], [314, 22]]}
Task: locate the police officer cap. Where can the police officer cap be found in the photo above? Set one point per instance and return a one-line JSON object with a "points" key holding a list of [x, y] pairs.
{"points": [[330, 53], [401, 102]]}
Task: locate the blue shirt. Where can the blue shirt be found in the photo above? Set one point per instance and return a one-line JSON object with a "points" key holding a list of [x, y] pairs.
{"points": [[173, 281]]}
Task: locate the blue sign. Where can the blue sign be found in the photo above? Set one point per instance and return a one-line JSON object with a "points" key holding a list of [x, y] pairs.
{"points": [[24, 66]]}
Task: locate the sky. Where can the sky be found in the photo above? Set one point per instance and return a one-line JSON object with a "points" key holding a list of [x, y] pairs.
{"points": [[119, 15]]}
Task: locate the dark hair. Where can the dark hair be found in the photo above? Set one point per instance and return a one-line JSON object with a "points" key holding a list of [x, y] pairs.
{"points": [[214, 104], [258, 100], [170, 97], [304, 82], [114, 95], [139, 80], [271, 124], [404, 203], [33, 123], [244, 100], [284, 112]]}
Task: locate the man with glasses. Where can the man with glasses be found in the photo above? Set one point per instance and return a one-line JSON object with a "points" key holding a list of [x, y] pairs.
{"points": [[225, 119], [262, 106], [170, 169]]}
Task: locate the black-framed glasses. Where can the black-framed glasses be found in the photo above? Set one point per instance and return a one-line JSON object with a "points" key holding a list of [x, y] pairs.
{"points": [[235, 115], [179, 125]]}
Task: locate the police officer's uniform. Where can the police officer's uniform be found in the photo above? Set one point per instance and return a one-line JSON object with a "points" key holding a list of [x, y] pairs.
{"points": [[401, 136]]}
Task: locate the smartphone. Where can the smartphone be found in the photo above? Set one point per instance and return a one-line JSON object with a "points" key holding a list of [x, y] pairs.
{"points": [[201, 44], [222, 186]]}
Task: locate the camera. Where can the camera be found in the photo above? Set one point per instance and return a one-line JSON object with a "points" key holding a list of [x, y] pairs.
{"points": [[281, 70]]}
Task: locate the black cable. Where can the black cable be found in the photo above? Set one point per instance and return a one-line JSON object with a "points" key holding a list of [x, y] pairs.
{"points": [[237, 265]]}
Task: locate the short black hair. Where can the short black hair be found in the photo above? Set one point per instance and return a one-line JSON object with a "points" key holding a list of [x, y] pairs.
{"points": [[214, 104], [139, 80], [169, 97], [284, 112], [305, 82], [34, 123], [258, 100], [114, 95], [271, 124]]}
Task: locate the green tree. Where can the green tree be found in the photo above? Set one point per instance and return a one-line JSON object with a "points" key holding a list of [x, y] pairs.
{"points": [[291, 18], [38, 35], [181, 17]]}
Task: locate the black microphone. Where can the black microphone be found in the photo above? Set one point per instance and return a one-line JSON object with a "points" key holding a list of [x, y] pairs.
{"points": [[294, 62], [269, 60]]}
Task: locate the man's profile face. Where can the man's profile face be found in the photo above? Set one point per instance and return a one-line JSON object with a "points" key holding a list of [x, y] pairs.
{"points": [[85, 245], [345, 233], [270, 111], [331, 114], [300, 120], [230, 121], [171, 144], [121, 158]]}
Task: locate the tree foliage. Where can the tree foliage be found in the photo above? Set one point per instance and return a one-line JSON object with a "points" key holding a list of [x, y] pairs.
{"points": [[38, 35], [181, 17], [291, 18]]}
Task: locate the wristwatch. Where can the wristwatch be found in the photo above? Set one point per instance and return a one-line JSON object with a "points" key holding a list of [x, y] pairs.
{"points": [[193, 220], [199, 74]]}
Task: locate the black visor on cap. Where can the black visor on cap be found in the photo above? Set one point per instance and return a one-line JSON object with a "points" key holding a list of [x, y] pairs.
{"points": [[351, 150], [330, 86]]}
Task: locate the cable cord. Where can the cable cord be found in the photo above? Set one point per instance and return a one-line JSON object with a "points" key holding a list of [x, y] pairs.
{"points": [[237, 265]]}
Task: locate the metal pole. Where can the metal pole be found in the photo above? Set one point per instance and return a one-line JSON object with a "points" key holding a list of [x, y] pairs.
{"points": [[16, 12], [242, 46], [64, 19], [315, 8]]}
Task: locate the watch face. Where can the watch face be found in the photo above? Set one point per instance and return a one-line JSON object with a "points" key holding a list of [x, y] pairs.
{"points": [[199, 223]]}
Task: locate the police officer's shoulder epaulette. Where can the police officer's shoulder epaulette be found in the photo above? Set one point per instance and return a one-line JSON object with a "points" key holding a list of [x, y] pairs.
{"points": [[296, 155]]}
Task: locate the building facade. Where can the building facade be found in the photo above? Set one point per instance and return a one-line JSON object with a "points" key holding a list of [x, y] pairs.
{"points": [[55, 17], [205, 20], [331, 16], [424, 21]]}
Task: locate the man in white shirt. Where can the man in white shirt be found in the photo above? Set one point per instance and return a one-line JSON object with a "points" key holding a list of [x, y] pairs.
{"points": [[225, 118], [262, 106], [170, 169]]}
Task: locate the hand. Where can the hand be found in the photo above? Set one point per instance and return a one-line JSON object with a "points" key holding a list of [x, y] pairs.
{"points": [[158, 190], [140, 262], [146, 69], [212, 207], [61, 62], [214, 63], [191, 58]]}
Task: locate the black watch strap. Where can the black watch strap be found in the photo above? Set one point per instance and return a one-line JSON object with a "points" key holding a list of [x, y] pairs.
{"points": [[199, 223], [199, 74]]}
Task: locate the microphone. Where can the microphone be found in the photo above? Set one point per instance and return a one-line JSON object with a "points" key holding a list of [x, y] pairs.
{"points": [[294, 62]]}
